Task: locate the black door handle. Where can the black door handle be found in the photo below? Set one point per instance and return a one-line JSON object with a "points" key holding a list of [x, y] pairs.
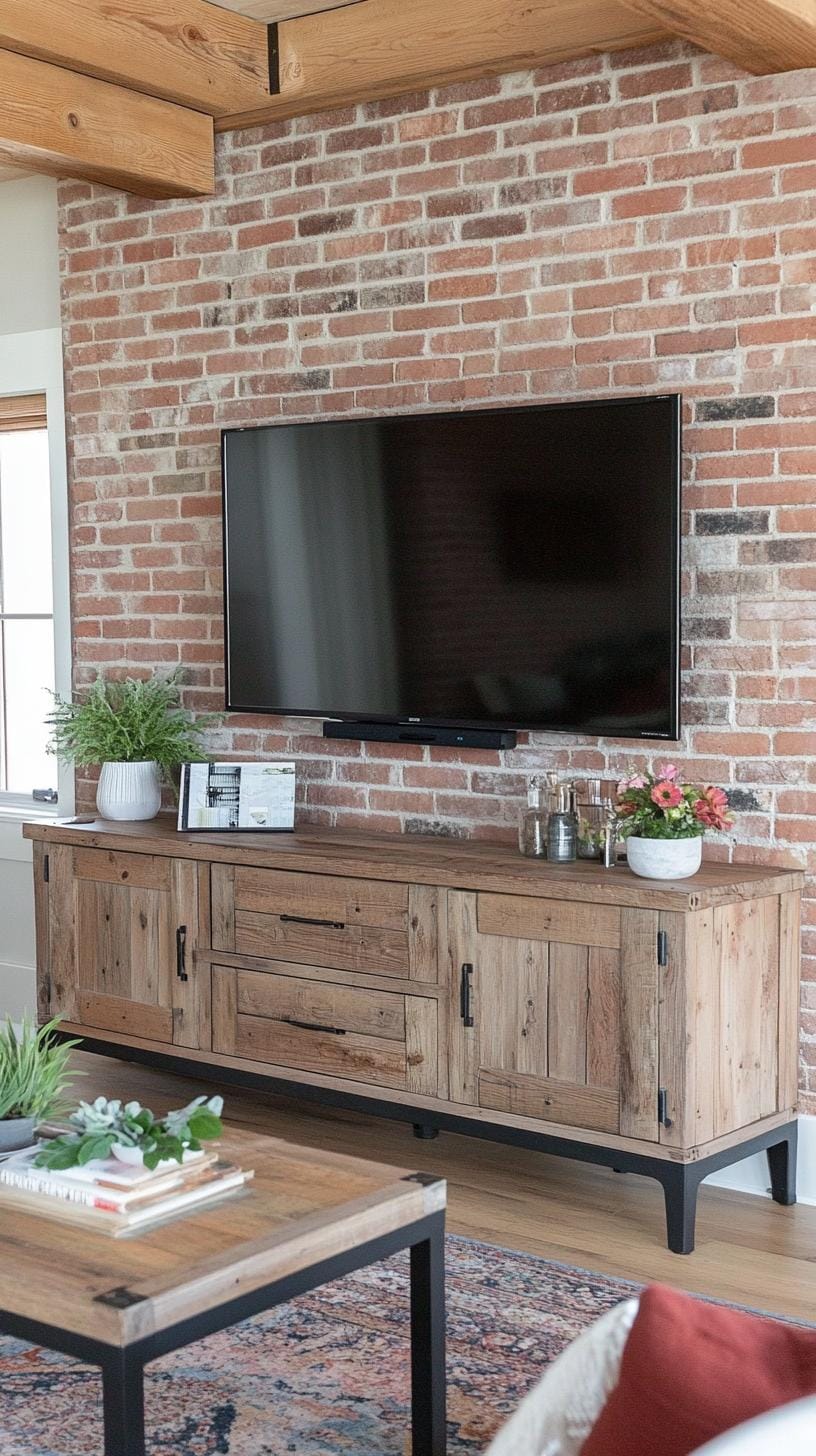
{"points": [[465, 994], [181, 953], [313, 1026], [306, 920]]}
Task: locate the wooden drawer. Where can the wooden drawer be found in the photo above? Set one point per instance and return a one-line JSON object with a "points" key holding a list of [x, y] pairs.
{"points": [[378, 1037], [568, 923], [550, 1101], [369, 926]]}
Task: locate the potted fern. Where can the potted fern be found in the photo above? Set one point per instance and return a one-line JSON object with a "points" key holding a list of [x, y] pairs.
{"points": [[137, 731], [34, 1074]]}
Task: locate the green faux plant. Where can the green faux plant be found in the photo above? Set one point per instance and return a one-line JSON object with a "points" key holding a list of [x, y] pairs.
{"points": [[34, 1070], [129, 721], [98, 1127]]}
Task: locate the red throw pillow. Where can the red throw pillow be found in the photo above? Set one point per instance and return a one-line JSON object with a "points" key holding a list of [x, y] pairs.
{"points": [[692, 1370]]}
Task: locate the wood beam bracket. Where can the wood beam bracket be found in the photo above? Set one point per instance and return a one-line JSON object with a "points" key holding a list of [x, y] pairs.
{"points": [[273, 47]]}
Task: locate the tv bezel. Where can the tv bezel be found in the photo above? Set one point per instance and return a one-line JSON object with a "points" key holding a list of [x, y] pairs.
{"points": [[520, 725]]}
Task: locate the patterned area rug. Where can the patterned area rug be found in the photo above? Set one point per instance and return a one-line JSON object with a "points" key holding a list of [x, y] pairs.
{"points": [[327, 1375]]}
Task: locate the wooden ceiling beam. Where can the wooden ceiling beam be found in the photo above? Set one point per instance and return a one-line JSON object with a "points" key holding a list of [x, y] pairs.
{"points": [[67, 125], [380, 48], [761, 36], [186, 51]]}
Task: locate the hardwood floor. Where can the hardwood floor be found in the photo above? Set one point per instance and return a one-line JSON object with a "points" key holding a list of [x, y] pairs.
{"points": [[749, 1250]]}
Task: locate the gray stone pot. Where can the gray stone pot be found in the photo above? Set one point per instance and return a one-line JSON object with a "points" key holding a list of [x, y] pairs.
{"points": [[16, 1132]]}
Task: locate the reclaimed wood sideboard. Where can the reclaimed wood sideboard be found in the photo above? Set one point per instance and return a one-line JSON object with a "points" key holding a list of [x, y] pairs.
{"points": [[650, 1027]]}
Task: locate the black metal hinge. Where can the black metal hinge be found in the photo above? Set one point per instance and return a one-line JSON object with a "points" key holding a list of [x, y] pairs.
{"points": [[662, 948], [663, 1108], [46, 868]]}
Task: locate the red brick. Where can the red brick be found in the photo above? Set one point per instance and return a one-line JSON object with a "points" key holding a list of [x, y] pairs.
{"points": [[652, 82], [649, 201], [609, 179]]}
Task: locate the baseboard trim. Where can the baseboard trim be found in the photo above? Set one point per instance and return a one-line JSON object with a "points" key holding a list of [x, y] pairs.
{"points": [[18, 990], [751, 1175]]}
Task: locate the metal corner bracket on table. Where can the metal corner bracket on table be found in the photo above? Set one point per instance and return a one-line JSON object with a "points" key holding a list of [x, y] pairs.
{"points": [[680, 1181], [123, 1366]]}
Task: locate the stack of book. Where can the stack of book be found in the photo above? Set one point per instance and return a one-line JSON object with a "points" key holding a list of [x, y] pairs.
{"points": [[113, 1197]]}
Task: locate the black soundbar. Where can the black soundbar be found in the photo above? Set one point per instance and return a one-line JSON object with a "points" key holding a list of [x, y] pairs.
{"points": [[421, 733]]}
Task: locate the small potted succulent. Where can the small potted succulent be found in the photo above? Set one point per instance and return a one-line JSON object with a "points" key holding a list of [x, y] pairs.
{"points": [[139, 733], [663, 822], [133, 1134], [34, 1075]]}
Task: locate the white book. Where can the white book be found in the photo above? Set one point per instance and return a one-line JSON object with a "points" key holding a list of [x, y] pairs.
{"points": [[105, 1179], [117, 1222]]}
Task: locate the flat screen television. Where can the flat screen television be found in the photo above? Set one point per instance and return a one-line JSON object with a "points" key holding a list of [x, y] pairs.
{"points": [[502, 568]]}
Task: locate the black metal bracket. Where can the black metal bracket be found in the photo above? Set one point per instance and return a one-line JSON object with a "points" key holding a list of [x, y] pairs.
{"points": [[273, 50], [120, 1298]]}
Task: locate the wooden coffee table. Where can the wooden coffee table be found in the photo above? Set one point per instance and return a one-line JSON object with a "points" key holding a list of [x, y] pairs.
{"points": [[308, 1218]]}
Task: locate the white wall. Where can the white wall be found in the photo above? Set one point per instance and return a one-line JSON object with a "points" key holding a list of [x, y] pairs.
{"points": [[29, 350], [29, 256], [751, 1175]]}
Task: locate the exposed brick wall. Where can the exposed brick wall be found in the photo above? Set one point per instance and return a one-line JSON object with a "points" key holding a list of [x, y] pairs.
{"points": [[615, 225]]}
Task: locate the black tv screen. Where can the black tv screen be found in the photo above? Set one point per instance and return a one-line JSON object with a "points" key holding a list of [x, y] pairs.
{"points": [[511, 568]]}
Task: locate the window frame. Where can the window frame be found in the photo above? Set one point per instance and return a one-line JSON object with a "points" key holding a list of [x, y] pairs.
{"points": [[31, 365]]}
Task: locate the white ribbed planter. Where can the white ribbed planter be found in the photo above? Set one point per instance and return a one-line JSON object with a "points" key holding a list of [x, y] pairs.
{"points": [[664, 859], [129, 791]]}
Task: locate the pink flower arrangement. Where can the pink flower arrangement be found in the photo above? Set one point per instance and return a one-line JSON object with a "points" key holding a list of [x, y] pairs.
{"points": [[666, 795], [657, 804], [712, 808]]}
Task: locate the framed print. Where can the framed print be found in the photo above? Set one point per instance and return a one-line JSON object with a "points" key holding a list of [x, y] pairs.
{"points": [[259, 796]]}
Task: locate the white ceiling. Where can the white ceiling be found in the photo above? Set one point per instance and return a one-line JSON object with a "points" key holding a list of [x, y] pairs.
{"points": [[280, 9]]}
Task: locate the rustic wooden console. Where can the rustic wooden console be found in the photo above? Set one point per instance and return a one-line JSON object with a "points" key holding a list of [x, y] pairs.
{"points": [[649, 1027]]}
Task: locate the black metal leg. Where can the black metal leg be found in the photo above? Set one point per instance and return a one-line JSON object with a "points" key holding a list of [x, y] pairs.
{"points": [[428, 1416], [680, 1184], [423, 1131], [782, 1167], [123, 1398]]}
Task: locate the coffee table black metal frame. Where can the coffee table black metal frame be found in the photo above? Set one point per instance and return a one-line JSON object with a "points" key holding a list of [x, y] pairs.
{"points": [[123, 1366]]}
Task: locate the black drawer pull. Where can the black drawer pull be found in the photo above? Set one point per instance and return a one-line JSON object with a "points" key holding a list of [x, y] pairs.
{"points": [[465, 992], [313, 1026], [181, 948], [307, 920]]}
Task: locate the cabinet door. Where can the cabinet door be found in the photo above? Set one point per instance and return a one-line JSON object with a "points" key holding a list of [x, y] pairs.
{"points": [[123, 937], [553, 1011], [361, 1035]]}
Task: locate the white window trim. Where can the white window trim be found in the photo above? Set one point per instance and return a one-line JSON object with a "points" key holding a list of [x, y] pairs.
{"points": [[31, 363]]}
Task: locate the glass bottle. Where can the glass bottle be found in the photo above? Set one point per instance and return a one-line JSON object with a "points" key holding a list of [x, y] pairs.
{"points": [[533, 825], [610, 843], [591, 816], [562, 828]]}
